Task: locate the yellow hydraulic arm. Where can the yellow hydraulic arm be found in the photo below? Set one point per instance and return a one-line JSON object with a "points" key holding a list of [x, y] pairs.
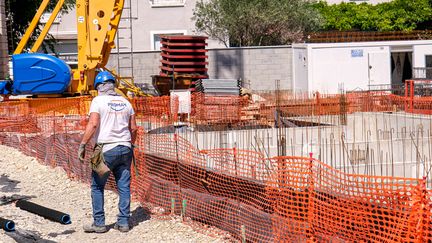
{"points": [[97, 22]]}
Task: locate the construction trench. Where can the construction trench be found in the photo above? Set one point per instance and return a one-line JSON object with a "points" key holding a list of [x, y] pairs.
{"points": [[348, 167]]}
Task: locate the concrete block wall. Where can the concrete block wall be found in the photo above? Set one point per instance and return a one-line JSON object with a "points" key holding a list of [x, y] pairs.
{"points": [[145, 65], [258, 66]]}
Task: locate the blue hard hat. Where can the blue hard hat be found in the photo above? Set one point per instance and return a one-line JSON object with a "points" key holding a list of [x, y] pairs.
{"points": [[102, 77]]}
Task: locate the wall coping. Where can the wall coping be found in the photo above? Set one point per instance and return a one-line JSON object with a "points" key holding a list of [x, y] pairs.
{"points": [[210, 49]]}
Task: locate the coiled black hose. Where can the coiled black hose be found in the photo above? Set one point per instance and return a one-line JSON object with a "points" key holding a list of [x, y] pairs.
{"points": [[44, 212]]}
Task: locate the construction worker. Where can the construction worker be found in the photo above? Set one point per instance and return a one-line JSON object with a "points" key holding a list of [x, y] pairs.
{"points": [[112, 120]]}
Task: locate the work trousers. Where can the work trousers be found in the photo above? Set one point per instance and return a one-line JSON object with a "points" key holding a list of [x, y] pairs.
{"points": [[119, 160]]}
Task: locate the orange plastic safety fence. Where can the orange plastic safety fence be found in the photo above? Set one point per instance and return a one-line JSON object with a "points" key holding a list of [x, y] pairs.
{"points": [[322, 104], [334, 104], [155, 109], [65, 106], [313, 201], [240, 191], [14, 117], [178, 176], [216, 109], [49, 131], [14, 108]]}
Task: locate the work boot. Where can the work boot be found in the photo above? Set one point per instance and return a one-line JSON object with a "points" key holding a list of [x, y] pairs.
{"points": [[91, 228], [122, 228]]}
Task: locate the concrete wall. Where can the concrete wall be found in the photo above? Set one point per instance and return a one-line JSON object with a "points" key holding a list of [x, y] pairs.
{"points": [[258, 66], [146, 64], [380, 144]]}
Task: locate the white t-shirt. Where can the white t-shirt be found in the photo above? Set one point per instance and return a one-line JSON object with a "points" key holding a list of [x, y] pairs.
{"points": [[115, 113]]}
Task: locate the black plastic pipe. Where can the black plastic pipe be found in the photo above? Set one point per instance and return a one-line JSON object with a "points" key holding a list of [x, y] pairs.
{"points": [[44, 212], [7, 225]]}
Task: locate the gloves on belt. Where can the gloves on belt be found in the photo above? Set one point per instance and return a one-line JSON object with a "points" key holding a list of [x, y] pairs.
{"points": [[81, 152]]}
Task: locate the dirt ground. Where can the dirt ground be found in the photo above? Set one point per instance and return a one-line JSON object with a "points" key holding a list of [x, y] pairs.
{"points": [[23, 175]]}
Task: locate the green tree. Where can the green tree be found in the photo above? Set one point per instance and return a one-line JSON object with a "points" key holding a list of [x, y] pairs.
{"points": [[389, 16], [19, 14], [255, 22]]}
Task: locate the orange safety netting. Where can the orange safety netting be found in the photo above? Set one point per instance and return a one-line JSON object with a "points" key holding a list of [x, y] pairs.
{"points": [[314, 201], [335, 104], [216, 109], [243, 192], [157, 109]]}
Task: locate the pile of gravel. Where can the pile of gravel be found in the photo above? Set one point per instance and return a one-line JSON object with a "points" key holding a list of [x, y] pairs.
{"points": [[23, 175]]}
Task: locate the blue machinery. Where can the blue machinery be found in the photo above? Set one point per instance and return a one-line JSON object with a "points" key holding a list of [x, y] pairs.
{"points": [[37, 74]]}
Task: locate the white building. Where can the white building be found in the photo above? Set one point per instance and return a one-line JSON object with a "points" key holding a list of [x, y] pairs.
{"points": [[150, 18], [327, 67]]}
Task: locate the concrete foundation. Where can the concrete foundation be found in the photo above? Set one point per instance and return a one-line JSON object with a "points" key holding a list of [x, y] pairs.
{"points": [[380, 144]]}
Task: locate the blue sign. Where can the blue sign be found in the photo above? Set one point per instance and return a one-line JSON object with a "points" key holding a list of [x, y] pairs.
{"points": [[357, 53]]}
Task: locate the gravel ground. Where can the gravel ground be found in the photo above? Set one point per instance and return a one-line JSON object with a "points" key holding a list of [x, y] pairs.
{"points": [[23, 175]]}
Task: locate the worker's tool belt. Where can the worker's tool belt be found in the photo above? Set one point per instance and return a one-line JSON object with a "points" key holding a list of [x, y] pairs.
{"points": [[97, 161]]}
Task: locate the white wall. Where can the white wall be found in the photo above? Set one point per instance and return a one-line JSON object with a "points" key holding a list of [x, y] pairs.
{"points": [[67, 27], [420, 51], [300, 69], [347, 68], [351, 65]]}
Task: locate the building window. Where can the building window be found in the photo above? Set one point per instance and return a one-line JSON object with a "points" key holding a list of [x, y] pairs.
{"points": [[167, 3], [155, 39], [428, 61], [428, 68]]}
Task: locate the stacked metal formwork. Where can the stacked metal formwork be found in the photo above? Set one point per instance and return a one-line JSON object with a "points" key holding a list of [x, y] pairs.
{"points": [[218, 86], [184, 55]]}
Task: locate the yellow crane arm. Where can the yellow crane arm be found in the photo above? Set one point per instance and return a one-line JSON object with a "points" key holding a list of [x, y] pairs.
{"points": [[111, 34], [97, 22]]}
